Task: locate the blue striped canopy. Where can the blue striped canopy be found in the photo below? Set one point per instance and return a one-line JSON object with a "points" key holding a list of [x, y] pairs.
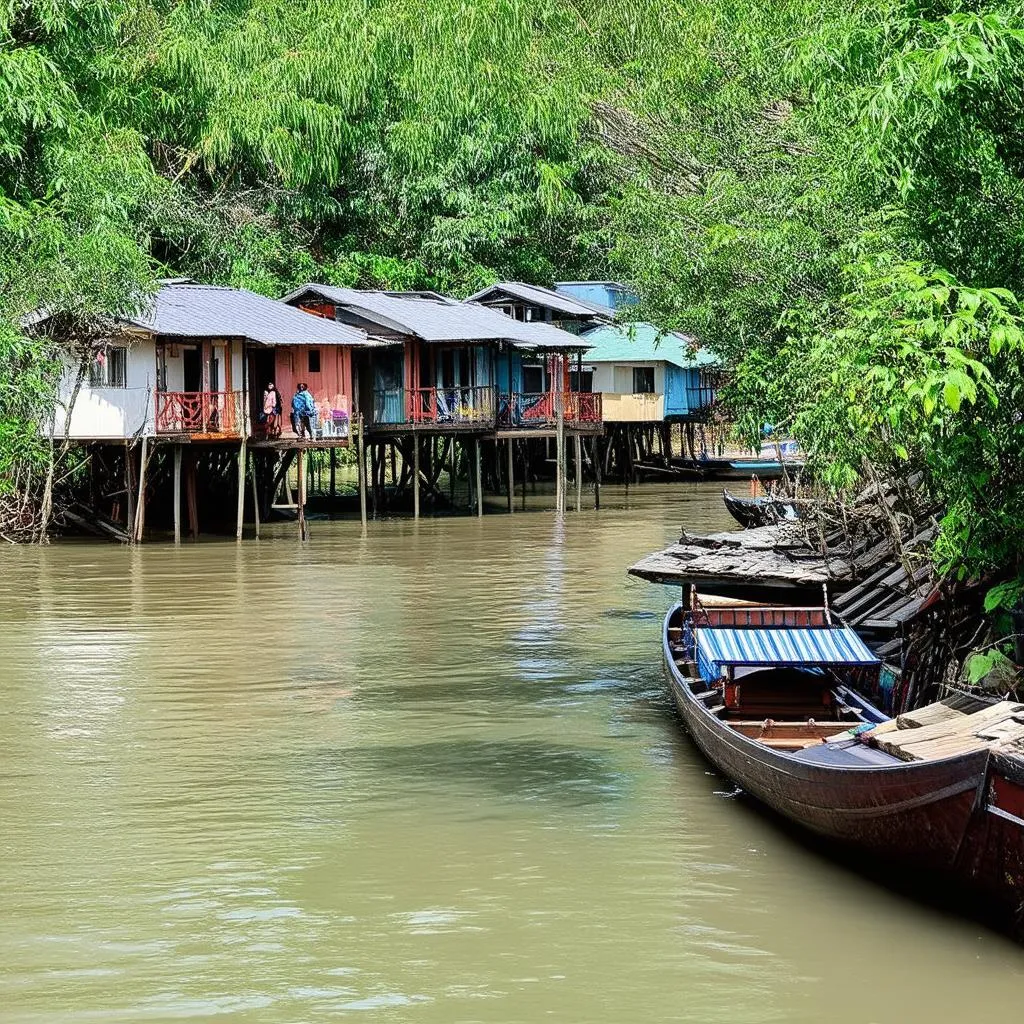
{"points": [[718, 647]]}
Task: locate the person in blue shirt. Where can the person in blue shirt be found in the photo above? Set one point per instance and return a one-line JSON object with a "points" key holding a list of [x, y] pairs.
{"points": [[303, 411]]}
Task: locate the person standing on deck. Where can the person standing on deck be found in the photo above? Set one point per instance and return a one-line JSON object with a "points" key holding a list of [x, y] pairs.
{"points": [[272, 411], [303, 411]]}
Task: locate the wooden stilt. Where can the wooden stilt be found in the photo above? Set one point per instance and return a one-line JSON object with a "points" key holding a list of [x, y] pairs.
{"points": [[255, 495], [129, 488], [511, 473], [240, 509], [596, 459], [177, 494], [479, 475], [334, 478], [578, 455], [140, 505], [559, 455], [415, 477], [526, 465], [301, 499], [361, 456], [190, 496]]}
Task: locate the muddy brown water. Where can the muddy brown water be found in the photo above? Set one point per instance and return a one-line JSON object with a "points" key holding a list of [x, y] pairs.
{"points": [[426, 776]]}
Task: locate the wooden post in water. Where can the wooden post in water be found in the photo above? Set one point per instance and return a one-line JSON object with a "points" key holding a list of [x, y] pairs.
{"points": [[334, 474], [255, 495], [301, 497], [240, 511], [415, 476], [597, 471], [190, 496], [129, 490], [559, 454], [177, 494], [511, 472], [361, 458], [578, 453], [479, 475], [140, 505]]}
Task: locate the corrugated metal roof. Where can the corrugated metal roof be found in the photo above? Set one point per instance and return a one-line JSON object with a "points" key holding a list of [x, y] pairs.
{"points": [[718, 647], [644, 343], [185, 310], [438, 318], [546, 298]]}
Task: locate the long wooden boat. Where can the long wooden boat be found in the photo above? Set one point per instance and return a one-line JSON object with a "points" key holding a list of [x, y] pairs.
{"points": [[753, 512], [771, 697]]}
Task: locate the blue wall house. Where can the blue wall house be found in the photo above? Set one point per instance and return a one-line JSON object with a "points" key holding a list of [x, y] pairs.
{"points": [[648, 376]]}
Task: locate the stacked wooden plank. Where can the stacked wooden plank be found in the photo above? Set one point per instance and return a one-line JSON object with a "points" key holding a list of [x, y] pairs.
{"points": [[946, 735]]}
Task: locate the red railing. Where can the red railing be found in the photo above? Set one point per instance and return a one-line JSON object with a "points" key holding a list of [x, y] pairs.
{"points": [[450, 406], [583, 407], [539, 410], [199, 412]]}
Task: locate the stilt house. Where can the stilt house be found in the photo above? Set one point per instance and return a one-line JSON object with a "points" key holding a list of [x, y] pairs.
{"points": [[648, 376], [454, 366], [194, 363]]}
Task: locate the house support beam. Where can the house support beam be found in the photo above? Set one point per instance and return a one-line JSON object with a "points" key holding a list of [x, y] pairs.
{"points": [[479, 476], [415, 477], [361, 459], [255, 494], [240, 510], [578, 454], [301, 499], [177, 494], [511, 472], [140, 505]]}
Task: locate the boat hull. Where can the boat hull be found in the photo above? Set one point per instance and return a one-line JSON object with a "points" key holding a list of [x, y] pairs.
{"points": [[916, 812]]}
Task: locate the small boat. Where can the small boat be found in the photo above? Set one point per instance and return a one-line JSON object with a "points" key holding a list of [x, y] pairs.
{"points": [[779, 700], [763, 511]]}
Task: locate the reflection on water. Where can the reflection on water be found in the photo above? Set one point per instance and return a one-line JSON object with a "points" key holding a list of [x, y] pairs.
{"points": [[430, 775]]}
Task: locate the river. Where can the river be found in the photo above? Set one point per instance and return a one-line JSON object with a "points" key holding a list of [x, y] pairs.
{"points": [[426, 776]]}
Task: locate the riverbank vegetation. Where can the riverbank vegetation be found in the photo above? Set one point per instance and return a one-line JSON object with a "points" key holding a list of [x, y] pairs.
{"points": [[829, 195]]}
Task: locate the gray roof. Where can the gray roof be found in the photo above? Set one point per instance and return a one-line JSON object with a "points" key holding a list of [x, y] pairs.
{"points": [[439, 319], [185, 310], [546, 298]]}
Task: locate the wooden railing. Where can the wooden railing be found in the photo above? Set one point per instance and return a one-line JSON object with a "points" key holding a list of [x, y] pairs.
{"points": [[199, 412], [539, 410], [583, 407], [462, 406]]}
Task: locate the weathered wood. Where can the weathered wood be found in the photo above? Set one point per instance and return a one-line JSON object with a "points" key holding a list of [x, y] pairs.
{"points": [[255, 495], [303, 535], [415, 477], [578, 453], [479, 483], [511, 472], [177, 494], [190, 496], [240, 509]]}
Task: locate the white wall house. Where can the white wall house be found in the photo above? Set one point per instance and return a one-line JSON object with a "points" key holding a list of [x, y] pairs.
{"points": [[117, 397], [115, 400]]}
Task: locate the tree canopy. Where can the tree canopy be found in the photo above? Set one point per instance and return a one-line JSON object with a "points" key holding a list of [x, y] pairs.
{"points": [[828, 195]]}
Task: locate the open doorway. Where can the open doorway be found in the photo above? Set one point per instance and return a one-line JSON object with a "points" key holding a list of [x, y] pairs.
{"points": [[192, 368]]}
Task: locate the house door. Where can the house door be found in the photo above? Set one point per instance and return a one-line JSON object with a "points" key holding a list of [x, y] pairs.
{"points": [[192, 369]]}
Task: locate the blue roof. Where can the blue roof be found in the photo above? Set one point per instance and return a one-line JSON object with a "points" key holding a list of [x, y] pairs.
{"points": [[644, 343], [717, 648]]}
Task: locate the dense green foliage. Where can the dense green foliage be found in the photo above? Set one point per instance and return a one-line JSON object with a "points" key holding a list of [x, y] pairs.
{"points": [[829, 195]]}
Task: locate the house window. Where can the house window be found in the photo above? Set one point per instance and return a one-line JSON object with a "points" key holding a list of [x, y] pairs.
{"points": [[314, 360], [533, 379], [583, 382], [643, 380], [109, 367]]}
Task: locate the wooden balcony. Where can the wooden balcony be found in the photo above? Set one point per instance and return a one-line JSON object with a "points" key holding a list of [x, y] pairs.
{"points": [[201, 414], [538, 411], [438, 408]]}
